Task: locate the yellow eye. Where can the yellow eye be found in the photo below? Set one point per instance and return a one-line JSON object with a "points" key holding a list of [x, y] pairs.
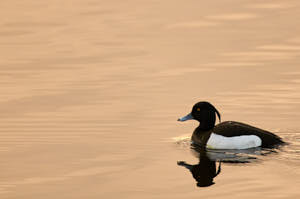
{"points": [[198, 109]]}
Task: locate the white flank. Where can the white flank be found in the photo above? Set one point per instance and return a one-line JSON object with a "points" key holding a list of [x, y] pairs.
{"points": [[237, 142]]}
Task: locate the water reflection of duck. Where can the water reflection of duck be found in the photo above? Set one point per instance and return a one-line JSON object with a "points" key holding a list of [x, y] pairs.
{"points": [[204, 172], [226, 135]]}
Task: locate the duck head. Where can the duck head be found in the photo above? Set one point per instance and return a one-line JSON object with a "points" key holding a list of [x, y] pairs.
{"points": [[205, 113]]}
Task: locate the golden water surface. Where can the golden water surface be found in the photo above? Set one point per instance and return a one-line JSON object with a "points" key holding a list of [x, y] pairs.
{"points": [[90, 91]]}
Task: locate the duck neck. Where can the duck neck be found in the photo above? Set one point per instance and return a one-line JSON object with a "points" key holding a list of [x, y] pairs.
{"points": [[206, 126]]}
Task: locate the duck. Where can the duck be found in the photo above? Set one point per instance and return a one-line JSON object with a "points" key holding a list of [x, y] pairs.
{"points": [[228, 134]]}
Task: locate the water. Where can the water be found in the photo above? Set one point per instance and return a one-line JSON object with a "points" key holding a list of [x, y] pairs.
{"points": [[91, 90]]}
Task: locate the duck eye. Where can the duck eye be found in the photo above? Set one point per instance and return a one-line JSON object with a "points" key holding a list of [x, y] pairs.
{"points": [[198, 109]]}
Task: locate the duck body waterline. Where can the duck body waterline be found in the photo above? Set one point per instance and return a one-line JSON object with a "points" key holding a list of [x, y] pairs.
{"points": [[235, 135], [229, 134]]}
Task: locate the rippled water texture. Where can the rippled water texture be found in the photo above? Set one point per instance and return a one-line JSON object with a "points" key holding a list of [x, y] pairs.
{"points": [[91, 90]]}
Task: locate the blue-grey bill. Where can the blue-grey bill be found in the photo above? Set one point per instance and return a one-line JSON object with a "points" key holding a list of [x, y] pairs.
{"points": [[185, 118]]}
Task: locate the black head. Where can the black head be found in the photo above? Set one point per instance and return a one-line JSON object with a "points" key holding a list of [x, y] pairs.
{"points": [[205, 113]]}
